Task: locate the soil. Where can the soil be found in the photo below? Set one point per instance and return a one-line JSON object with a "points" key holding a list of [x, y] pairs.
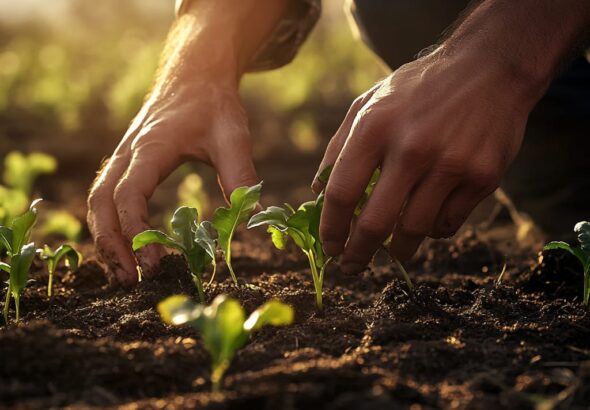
{"points": [[461, 339]]}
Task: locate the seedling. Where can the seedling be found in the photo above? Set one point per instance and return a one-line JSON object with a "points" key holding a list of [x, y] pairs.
{"points": [[53, 257], [303, 226], [582, 253], [191, 238], [225, 220], [15, 240], [223, 325]]}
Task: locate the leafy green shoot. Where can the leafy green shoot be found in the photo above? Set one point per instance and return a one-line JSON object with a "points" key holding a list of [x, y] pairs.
{"points": [[191, 238], [303, 227], [54, 257], [243, 202], [223, 325], [15, 241], [582, 253]]}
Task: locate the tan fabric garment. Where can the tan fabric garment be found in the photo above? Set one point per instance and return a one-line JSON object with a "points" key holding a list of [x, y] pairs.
{"points": [[290, 34]]}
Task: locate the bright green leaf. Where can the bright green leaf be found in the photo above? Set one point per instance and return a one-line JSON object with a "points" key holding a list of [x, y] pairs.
{"points": [[273, 313], [154, 237], [22, 226], [225, 220]]}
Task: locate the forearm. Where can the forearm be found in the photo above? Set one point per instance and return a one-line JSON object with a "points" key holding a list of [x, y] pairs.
{"points": [[528, 38], [216, 39]]}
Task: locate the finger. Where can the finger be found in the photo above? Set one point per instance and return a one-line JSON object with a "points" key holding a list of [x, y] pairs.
{"points": [[421, 211], [355, 164], [112, 248], [151, 163], [378, 217], [337, 142], [233, 162]]}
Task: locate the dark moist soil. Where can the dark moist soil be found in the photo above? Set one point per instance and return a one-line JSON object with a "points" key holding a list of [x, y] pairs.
{"points": [[459, 340]]}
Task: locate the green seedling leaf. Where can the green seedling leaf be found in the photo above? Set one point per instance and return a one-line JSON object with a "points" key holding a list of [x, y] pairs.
{"points": [[582, 229], [192, 239], [5, 267], [302, 226], [184, 224], [52, 258], [178, 310], [6, 239], [155, 237], [273, 313], [225, 220], [278, 237], [223, 325], [20, 264], [22, 226]]}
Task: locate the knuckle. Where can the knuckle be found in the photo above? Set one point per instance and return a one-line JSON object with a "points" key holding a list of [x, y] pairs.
{"points": [[338, 196], [96, 198], [369, 229], [121, 192], [416, 155], [484, 176]]}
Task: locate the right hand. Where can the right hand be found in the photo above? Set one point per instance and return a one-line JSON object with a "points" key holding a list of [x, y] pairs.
{"points": [[201, 121]]}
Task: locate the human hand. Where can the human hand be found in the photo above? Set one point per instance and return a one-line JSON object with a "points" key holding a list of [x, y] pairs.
{"points": [[443, 129], [202, 121]]}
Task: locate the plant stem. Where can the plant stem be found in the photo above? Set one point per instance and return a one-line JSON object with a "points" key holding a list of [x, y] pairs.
{"points": [[7, 303], [197, 280], [404, 274], [231, 269], [50, 282], [586, 287], [317, 279], [217, 375], [17, 305]]}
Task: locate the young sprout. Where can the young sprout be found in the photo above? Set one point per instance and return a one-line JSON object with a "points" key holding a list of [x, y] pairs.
{"points": [[223, 325], [191, 238], [225, 220], [582, 253], [15, 240], [53, 257], [303, 226]]}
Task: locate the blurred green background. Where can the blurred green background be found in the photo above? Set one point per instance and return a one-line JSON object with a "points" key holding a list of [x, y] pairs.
{"points": [[73, 73]]}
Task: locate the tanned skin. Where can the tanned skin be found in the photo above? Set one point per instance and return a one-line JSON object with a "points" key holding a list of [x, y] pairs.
{"points": [[443, 129]]}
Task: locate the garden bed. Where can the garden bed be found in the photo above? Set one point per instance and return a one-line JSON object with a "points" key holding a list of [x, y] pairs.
{"points": [[459, 340]]}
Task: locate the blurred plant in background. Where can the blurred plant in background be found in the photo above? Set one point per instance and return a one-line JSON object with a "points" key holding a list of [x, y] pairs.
{"points": [[20, 173]]}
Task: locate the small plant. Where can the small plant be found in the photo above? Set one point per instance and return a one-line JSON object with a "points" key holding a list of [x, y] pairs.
{"points": [[15, 240], [192, 239], [243, 202], [303, 227], [223, 325], [582, 253], [53, 257]]}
